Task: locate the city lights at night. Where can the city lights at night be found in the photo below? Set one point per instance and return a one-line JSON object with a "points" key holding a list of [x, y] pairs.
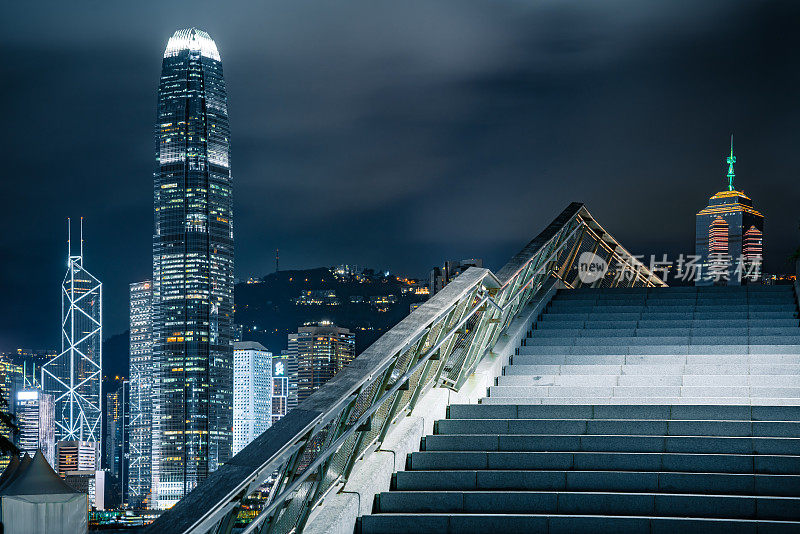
{"points": [[449, 266]]}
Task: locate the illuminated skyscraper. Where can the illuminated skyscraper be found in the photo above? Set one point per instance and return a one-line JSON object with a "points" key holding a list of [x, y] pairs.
{"points": [[288, 360], [32, 362], [192, 270], [252, 392], [729, 234], [280, 389], [74, 376], [35, 413], [113, 431], [139, 425], [321, 350], [11, 381]]}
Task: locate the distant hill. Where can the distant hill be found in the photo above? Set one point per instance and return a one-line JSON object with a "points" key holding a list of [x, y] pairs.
{"points": [[269, 310]]}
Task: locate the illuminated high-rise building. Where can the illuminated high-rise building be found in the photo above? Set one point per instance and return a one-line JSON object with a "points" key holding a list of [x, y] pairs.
{"points": [[11, 381], [280, 389], [76, 456], [114, 430], [74, 376], [288, 360], [729, 233], [321, 350], [77, 463], [192, 270], [32, 362], [35, 414], [252, 392], [138, 431]]}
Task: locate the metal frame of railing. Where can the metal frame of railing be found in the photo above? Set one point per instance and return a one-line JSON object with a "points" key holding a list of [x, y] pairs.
{"points": [[314, 448]]}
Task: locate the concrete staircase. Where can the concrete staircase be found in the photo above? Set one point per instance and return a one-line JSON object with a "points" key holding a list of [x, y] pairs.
{"points": [[629, 410], [709, 345]]}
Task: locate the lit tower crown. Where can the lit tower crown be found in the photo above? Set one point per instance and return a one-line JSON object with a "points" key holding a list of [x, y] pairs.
{"points": [[731, 160], [74, 376]]}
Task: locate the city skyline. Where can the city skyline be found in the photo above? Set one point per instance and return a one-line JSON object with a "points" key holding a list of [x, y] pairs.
{"points": [[318, 331], [520, 143]]}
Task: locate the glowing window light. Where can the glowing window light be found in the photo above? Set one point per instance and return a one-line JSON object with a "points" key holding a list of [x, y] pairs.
{"points": [[718, 236]]}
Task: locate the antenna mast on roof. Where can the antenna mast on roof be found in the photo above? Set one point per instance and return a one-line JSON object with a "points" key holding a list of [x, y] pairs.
{"points": [[731, 160]]}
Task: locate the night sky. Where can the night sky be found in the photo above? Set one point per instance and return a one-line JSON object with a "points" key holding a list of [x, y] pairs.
{"points": [[393, 134]]}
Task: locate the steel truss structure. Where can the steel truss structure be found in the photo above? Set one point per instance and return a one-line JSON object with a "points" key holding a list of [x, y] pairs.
{"points": [[314, 448], [74, 376]]}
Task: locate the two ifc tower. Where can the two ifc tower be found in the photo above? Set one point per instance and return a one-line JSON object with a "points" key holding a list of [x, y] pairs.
{"points": [[728, 236]]}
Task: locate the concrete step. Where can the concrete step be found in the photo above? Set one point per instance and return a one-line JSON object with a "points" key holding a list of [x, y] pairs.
{"points": [[671, 290], [683, 308], [612, 443], [630, 401], [662, 412], [630, 340], [640, 427], [654, 359], [623, 305], [568, 502], [562, 524], [788, 350], [675, 379], [643, 391], [662, 332], [549, 322], [713, 314], [605, 461], [653, 370], [598, 480], [573, 296]]}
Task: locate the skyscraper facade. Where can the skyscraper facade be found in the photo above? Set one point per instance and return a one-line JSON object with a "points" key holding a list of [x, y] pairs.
{"points": [[192, 270], [280, 389], [288, 360], [31, 362], [252, 392], [74, 376], [113, 429], [321, 350], [35, 413], [77, 463], [728, 236], [76, 456], [11, 380], [140, 403]]}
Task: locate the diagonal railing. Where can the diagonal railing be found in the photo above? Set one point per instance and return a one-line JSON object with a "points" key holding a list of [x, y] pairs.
{"points": [[315, 446]]}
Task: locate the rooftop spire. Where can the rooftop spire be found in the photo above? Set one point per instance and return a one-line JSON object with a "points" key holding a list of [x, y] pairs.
{"points": [[731, 160]]}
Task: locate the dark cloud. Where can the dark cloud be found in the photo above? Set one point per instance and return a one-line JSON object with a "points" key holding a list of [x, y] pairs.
{"points": [[393, 134]]}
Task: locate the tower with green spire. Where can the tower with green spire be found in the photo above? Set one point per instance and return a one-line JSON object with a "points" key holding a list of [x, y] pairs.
{"points": [[731, 160], [729, 231]]}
